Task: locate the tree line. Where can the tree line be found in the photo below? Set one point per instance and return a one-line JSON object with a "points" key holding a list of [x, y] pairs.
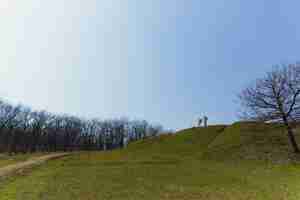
{"points": [[23, 130]]}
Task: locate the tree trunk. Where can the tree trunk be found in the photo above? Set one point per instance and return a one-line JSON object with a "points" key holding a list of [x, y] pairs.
{"points": [[291, 134], [292, 139]]}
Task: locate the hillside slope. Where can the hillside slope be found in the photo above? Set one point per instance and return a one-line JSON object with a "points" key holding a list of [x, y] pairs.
{"points": [[186, 143], [242, 140], [252, 141]]}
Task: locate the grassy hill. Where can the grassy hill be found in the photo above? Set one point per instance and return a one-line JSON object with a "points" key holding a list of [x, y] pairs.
{"points": [[218, 162], [184, 144], [252, 141], [240, 141]]}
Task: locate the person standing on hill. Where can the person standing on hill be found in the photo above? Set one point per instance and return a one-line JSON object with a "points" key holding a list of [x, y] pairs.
{"points": [[205, 119]]}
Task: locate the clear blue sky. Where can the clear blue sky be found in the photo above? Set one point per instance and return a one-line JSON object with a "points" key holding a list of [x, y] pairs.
{"points": [[165, 61]]}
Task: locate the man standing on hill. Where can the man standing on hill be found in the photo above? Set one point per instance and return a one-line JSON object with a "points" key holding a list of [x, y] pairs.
{"points": [[205, 119], [199, 122]]}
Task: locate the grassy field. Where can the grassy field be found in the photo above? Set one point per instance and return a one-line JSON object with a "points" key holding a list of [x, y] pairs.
{"points": [[242, 161]]}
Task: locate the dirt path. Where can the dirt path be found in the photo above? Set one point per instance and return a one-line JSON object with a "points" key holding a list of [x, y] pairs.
{"points": [[7, 170]]}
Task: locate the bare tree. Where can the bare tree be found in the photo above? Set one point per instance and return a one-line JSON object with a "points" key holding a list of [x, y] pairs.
{"points": [[22, 121], [7, 114], [275, 98], [8, 123], [39, 124]]}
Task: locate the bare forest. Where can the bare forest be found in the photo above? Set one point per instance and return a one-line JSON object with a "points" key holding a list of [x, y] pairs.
{"points": [[23, 130]]}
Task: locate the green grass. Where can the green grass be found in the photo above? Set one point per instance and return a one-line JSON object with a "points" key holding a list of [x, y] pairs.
{"points": [[187, 143], [252, 141], [193, 164]]}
